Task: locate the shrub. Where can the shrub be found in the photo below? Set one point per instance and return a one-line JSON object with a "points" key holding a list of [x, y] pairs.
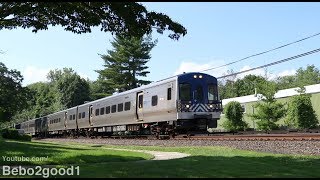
{"points": [[234, 115], [300, 113], [14, 134], [269, 112]]}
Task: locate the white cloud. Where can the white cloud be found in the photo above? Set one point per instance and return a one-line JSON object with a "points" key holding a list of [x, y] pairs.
{"points": [[258, 72], [197, 67], [84, 76], [287, 73], [34, 74]]}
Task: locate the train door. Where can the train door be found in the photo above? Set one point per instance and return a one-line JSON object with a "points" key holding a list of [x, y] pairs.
{"points": [[90, 115], [139, 107]]}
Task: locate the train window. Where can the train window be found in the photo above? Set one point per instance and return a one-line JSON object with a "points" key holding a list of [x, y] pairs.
{"points": [[108, 110], [169, 94], [70, 117], [59, 120], [74, 117], [141, 101], [127, 106], [120, 107], [199, 93], [185, 91], [113, 108], [97, 112], [79, 117], [83, 114], [212, 92], [102, 111], [154, 100]]}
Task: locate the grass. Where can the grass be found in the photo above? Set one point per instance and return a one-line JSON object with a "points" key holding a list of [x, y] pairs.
{"points": [[207, 161], [212, 162], [55, 154]]}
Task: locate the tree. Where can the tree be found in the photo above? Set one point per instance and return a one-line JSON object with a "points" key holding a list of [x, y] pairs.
{"points": [[125, 63], [309, 76], [12, 95], [129, 18], [44, 100], [269, 111], [99, 89], [247, 85], [286, 82], [234, 115], [226, 85], [300, 112], [73, 90], [302, 77]]}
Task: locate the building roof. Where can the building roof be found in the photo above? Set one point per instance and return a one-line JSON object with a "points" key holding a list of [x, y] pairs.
{"points": [[280, 94]]}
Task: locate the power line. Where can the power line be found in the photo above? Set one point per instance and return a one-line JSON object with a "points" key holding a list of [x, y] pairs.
{"points": [[273, 63], [262, 52]]}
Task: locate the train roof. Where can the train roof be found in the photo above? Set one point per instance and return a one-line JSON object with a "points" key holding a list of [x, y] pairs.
{"points": [[147, 86]]}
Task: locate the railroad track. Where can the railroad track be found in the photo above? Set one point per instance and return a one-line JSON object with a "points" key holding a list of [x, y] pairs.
{"points": [[255, 137], [220, 137]]}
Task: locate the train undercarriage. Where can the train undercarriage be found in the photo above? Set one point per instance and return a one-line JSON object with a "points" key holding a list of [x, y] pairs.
{"points": [[158, 130]]}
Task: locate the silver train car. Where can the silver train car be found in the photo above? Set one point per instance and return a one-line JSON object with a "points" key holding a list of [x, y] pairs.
{"points": [[180, 104]]}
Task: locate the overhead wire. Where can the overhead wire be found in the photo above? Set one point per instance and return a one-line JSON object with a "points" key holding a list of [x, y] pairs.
{"points": [[273, 63], [262, 52]]}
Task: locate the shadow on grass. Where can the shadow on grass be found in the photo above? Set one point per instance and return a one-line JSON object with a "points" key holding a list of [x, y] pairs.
{"points": [[54, 154], [208, 166]]}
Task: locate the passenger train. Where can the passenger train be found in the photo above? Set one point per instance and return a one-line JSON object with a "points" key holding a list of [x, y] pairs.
{"points": [[180, 104]]}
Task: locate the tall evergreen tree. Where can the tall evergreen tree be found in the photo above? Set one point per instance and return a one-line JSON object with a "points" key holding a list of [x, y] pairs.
{"points": [[125, 63]]}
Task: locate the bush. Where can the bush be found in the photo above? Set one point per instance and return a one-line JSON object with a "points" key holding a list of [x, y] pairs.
{"points": [[234, 115], [268, 113], [14, 134], [301, 114]]}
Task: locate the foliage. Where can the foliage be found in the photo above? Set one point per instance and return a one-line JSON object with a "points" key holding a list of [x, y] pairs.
{"points": [[126, 62], [233, 87], [14, 134], [247, 85], [13, 95], [73, 90], [99, 89], [241, 87], [79, 17], [234, 115], [269, 111], [302, 77], [300, 112], [311, 75], [65, 89]]}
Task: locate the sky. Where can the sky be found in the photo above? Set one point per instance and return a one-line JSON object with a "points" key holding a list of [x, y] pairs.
{"points": [[217, 34]]}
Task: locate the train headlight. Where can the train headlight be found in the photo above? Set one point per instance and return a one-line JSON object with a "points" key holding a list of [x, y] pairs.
{"points": [[194, 76], [200, 76], [211, 106], [187, 106]]}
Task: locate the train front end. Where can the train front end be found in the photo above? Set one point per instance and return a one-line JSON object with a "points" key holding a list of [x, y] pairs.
{"points": [[198, 103]]}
